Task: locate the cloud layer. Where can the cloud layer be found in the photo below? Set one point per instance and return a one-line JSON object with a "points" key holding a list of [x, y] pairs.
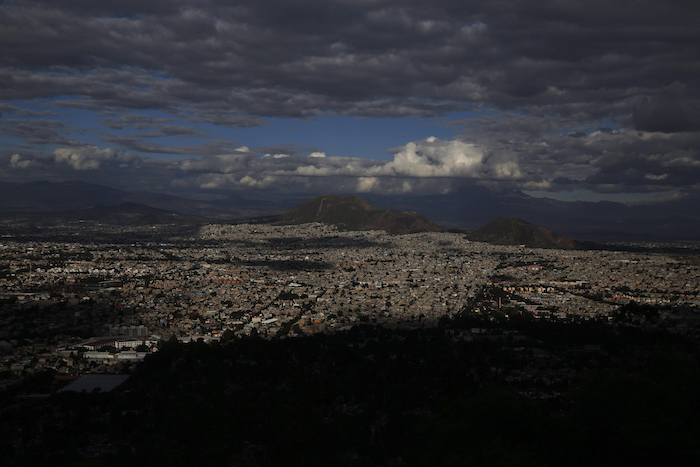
{"points": [[597, 95]]}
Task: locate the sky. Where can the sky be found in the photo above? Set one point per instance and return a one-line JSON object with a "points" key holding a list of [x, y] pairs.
{"points": [[575, 100]]}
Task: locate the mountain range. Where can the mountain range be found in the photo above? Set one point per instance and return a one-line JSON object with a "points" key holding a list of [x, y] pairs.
{"points": [[473, 206], [74, 195], [469, 208], [125, 213]]}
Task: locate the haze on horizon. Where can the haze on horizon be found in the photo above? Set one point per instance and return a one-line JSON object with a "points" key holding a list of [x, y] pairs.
{"points": [[570, 100]]}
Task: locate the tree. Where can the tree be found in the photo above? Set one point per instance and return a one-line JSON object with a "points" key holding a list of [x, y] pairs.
{"points": [[108, 348], [228, 335]]}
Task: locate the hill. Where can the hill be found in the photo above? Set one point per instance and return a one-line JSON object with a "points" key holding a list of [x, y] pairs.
{"points": [[506, 231], [117, 214], [353, 213]]}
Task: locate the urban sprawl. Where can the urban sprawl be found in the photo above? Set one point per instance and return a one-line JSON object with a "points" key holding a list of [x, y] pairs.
{"points": [[97, 306]]}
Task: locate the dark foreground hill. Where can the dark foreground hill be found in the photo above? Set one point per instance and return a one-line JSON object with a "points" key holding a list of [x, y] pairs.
{"points": [[505, 231], [354, 213], [377, 397]]}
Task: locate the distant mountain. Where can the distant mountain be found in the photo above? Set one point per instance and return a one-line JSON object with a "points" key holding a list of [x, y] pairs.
{"points": [[353, 213], [117, 214], [48, 197], [232, 208], [469, 207], [505, 231], [472, 206], [76, 195], [129, 214]]}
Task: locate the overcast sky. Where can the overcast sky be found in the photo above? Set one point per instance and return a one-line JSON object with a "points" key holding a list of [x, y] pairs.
{"points": [[570, 99]]}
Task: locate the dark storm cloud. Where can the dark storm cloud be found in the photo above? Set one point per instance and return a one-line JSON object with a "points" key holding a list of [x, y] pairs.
{"points": [[554, 154], [139, 122], [561, 70], [670, 111], [139, 145], [171, 130], [11, 109], [213, 114], [335, 56], [36, 131], [602, 160]]}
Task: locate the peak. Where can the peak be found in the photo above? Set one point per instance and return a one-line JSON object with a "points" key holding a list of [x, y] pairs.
{"points": [[509, 231], [509, 221], [351, 199], [354, 213]]}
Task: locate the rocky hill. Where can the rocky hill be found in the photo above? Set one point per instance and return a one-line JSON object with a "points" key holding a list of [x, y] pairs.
{"points": [[354, 213], [506, 231]]}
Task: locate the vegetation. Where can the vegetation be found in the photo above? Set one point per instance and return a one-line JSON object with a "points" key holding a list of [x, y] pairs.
{"points": [[379, 397]]}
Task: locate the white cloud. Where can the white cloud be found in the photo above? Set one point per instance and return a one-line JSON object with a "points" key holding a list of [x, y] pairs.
{"points": [[222, 163], [83, 157], [436, 158], [430, 158], [277, 156], [368, 184], [621, 160], [91, 157], [16, 162], [253, 183]]}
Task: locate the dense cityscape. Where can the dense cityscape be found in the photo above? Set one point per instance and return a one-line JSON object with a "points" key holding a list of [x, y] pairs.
{"points": [[95, 306], [117, 341]]}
